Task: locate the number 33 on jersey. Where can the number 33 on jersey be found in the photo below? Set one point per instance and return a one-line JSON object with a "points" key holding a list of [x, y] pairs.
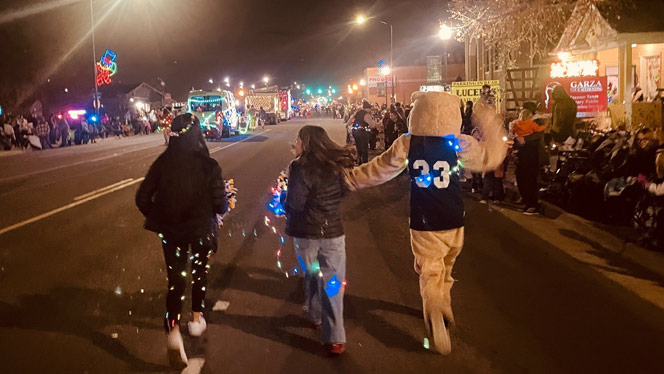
{"points": [[435, 193]]}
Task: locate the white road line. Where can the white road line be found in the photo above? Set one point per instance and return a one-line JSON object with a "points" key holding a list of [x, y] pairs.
{"points": [[102, 189], [232, 144], [68, 206], [75, 164]]}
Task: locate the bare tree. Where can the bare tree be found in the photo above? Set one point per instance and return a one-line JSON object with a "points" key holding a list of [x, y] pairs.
{"points": [[518, 29]]}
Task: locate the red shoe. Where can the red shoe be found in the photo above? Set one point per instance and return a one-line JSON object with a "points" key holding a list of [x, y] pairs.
{"points": [[335, 349]]}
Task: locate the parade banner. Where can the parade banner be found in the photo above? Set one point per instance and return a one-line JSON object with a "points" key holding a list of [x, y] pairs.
{"points": [[589, 93], [471, 90]]}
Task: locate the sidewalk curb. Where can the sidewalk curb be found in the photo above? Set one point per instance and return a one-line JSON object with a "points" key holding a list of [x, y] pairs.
{"points": [[650, 260], [13, 152]]}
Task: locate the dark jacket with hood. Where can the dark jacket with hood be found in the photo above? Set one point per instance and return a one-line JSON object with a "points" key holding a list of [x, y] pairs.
{"points": [[564, 114], [183, 189], [313, 202]]}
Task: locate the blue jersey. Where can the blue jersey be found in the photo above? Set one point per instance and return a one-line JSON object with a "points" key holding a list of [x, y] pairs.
{"points": [[435, 193]]}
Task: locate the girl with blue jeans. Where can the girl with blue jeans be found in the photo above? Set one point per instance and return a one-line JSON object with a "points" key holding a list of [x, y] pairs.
{"points": [[313, 209]]}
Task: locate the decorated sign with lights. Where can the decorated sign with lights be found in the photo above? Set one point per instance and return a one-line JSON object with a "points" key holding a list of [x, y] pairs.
{"points": [[566, 69], [106, 67]]}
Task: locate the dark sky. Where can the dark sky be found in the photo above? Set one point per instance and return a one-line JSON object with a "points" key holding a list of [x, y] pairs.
{"points": [[186, 42]]}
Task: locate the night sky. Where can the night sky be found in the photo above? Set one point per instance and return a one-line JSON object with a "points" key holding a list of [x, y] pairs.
{"points": [[187, 42]]}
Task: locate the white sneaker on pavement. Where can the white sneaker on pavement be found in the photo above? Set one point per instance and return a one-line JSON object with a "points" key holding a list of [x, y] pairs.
{"points": [[197, 329], [176, 354]]}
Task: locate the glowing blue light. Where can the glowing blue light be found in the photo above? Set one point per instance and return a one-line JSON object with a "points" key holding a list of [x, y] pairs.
{"points": [[333, 286], [301, 262], [423, 181]]}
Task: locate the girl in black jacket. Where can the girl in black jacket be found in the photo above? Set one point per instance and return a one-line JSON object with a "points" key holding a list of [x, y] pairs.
{"points": [[180, 197], [313, 209]]}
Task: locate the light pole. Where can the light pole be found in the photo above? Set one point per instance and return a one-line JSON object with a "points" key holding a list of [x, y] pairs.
{"points": [[361, 20], [445, 33], [391, 57], [385, 71], [95, 102]]}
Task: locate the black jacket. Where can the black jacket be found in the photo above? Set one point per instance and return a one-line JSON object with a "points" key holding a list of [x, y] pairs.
{"points": [[181, 195], [313, 203]]}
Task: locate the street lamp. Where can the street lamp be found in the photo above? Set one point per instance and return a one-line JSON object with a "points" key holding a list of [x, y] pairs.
{"points": [[360, 20], [363, 82], [210, 80], [265, 80], [445, 34]]}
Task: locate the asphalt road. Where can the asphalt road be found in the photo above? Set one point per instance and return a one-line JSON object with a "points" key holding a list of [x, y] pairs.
{"points": [[82, 285]]}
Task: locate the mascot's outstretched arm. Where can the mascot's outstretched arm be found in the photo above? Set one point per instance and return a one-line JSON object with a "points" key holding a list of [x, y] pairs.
{"points": [[488, 153], [382, 168]]}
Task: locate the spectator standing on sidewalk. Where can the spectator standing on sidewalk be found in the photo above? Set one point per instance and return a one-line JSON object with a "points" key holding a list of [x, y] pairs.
{"points": [[648, 217], [63, 129], [9, 134], [43, 131], [180, 196], [53, 128], [313, 209], [527, 167], [563, 116]]}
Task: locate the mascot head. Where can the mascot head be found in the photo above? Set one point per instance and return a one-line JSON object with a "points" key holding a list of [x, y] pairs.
{"points": [[435, 114]]}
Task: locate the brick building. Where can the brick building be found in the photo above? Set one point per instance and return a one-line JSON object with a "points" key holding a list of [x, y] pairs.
{"points": [[407, 79]]}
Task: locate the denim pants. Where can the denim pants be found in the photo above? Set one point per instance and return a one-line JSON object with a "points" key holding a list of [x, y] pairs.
{"points": [[324, 265]]}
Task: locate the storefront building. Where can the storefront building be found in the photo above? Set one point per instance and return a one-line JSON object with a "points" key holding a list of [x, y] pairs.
{"points": [[625, 56], [407, 79]]}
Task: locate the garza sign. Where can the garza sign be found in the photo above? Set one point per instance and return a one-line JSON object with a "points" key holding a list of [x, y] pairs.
{"points": [[588, 92]]}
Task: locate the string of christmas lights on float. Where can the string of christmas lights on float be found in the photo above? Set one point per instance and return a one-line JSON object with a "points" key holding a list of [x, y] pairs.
{"points": [[278, 193]]}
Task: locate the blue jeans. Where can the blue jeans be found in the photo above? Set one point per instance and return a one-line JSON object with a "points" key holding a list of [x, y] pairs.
{"points": [[324, 262]]}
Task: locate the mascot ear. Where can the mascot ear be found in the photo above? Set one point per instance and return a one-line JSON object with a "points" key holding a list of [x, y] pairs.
{"points": [[416, 95]]}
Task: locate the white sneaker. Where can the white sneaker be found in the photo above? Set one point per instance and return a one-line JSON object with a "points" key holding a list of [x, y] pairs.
{"points": [[176, 354], [197, 329]]}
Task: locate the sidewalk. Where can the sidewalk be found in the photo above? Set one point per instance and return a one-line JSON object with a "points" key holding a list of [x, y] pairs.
{"points": [[619, 240], [13, 152]]}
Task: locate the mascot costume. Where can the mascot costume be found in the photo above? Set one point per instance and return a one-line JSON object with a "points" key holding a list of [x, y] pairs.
{"points": [[433, 152]]}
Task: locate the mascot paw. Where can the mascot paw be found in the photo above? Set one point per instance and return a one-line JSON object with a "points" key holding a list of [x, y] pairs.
{"points": [[438, 332]]}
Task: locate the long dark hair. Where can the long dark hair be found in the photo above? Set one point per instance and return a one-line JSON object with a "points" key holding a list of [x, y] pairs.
{"points": [[321, 152], [186, 136]]}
